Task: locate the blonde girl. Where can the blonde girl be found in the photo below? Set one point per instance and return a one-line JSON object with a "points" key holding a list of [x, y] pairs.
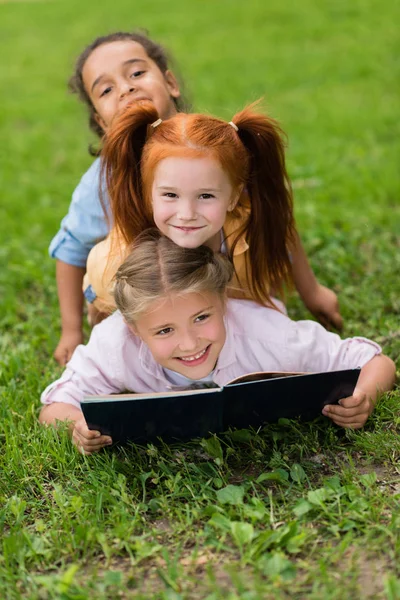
{"points": [[175, 327]]}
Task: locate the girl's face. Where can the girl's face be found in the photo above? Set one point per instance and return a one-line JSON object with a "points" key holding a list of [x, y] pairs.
{"points": [[118, 73], [191, 197], [185, 333]]}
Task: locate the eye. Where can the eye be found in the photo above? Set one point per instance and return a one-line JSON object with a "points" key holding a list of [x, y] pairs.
{"points": [[106, 91], [170, 195], [202, 318], [137, 74], [164, 331], [206, 196]]}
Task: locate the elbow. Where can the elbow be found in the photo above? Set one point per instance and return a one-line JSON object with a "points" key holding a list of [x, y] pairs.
{"points": [[392, 369], [44, 416], [387, 369]]}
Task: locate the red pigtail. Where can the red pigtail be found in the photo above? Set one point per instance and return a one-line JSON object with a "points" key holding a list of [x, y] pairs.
{"points": [[270, 228], [121, 160]]}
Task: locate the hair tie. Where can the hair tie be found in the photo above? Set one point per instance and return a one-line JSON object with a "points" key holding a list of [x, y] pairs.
{"points": [[156, 123], [232, 124]]}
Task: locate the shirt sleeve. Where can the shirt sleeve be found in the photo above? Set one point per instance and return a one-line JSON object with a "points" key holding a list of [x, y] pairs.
{"points": [[85, 224], [312, 349], [92, 370], [102, 264]]}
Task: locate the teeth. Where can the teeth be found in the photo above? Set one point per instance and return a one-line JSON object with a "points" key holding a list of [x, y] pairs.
{"points": [[195, 357]]}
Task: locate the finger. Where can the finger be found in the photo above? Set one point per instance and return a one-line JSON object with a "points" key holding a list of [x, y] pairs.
{"points": [[60, 357], [350, 424], [337, 321], [335, 410], [325, 322], [88, 435], [347, 419], [331, 321], [91, 443], [65, 356], [91, 436], [83, 431], [89, 447], [86, 451], [352, 401]]}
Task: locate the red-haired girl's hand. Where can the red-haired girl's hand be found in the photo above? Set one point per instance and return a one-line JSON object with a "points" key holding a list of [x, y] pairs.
{"points": [[351, 412], [324, 305], [87, 440]]}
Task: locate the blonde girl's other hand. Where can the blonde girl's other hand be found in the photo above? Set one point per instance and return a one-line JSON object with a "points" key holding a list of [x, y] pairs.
{"points": [[69, 340], [324, 305], [87, 440], [351, 412]]}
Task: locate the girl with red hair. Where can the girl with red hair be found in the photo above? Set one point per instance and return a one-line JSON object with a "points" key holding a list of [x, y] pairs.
{"points": [[200, 180]]}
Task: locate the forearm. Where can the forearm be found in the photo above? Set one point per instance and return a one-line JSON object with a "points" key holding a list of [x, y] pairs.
{"points": [[376, 377], [69, 286], [303, 275], [86, 441], [60, 411], [320, 300]]}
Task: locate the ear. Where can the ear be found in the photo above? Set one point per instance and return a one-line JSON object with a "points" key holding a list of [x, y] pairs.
{"points": [[100, 121], [172, 84], [235, 198]]}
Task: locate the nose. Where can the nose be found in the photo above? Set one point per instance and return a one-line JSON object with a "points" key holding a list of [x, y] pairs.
{"points": [[125, 89], [187, 341], [186, 211]]}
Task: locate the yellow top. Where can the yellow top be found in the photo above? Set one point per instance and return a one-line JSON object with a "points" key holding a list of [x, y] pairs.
{"points": [[102, 264]]}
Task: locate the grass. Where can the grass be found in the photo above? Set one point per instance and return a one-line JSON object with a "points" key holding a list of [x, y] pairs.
{"points": [[291, 511]]}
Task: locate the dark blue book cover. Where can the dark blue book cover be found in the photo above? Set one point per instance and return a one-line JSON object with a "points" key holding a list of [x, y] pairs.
{"points": [[250, 400]]}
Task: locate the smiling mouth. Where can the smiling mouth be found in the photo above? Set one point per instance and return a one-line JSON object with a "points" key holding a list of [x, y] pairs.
{"points": [[195, 358], [188, 229]]}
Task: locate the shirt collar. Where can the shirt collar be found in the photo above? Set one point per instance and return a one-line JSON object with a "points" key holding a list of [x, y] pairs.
{"points": [[231, 226], [241, 246]]}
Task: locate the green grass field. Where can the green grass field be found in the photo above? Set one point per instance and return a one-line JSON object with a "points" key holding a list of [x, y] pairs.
{"points": [[294, 510]]}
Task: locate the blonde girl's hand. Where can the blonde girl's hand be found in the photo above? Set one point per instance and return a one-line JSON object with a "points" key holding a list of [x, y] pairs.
{"points": [[87, 440], [351, 412], [69, 340], [324, 305]]}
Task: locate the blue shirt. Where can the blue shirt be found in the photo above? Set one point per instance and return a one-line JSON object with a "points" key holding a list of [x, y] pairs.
{"points": [[85, 224]]}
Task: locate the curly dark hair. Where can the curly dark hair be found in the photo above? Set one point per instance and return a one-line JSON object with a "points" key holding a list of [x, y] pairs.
{"points": [[153, 50]]}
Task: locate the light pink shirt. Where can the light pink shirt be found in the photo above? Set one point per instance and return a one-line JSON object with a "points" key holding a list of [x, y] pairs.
{"points": [[258, 339]]}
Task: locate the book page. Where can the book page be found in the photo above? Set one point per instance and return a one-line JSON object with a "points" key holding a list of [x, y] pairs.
{"points": [[262, 375], [141, 396]]}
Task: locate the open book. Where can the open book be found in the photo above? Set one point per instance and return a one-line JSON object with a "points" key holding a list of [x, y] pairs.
{"points": [[250, 400]]}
